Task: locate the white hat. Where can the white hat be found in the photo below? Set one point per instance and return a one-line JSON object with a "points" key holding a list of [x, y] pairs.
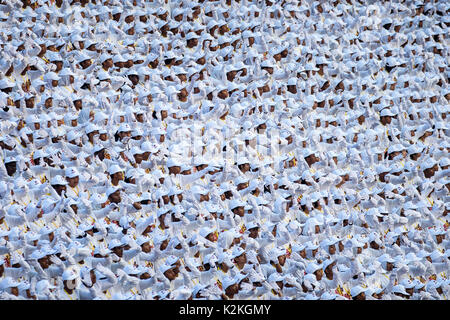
{"points": [[38, 254], [111, 190], [199, 190], [8, 282], [43, 285], [124, 127], [236, 203], [205, 231], [163, 268], [328, 296], [237, 251], [58, 180], [312, 267], [69, 274], [114, 169], [275, 276], [72, 172], [162, 211], [228, 281], [399, 289], [173, 162], [357, 290], [136, 150], [385, 258], [142, 239], [429, 163], [387, 112]]}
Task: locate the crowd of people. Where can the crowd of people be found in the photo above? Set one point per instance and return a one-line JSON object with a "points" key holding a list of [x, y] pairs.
{"points": [[229, 149]]}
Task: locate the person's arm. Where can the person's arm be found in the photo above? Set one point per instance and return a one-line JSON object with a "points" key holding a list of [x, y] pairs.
{"points": [[101, 213], [110, 276], [7, 296], [55, 271], [441, 267], [37, 267], [145, 284], [127, 282], [131, 253]]}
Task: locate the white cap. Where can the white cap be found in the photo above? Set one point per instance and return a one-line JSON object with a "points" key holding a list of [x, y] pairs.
{"points": [[69, 274], [228, 281], [114, 169], [163, 268], [357, 290], [58, 180], [142, 239], [72, 172], [312, 267], [43, 285], [236, 203], [237, 251], [111, 190], [400, 289]]}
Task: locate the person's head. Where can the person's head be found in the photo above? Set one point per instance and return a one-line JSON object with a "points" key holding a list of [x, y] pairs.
{"points": [[116, 177], [316, 229], [245, 167], [70, 285], [124, 134], [171, 274], [302, 253], [148, 229], [386, 120], [232, 289], [118, 251], [115, 197], [86, 63], [212, 237], [240, 211], [374, 245], [108, 63], [48, 103], [282, 259], [241, 260], [29, 103], [59, 188], [92, 276], [410, 291], [174, 170], [164, 244], [146, 247], [166, 198], [162, 220], [73, 181], [15, 291], [101, 154], [319, 274], [253, 232], [224, 266], [360, 296], [44, 262], [11, 168], [332, 249], [329, 271], [389, 266], [204, 197]]}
